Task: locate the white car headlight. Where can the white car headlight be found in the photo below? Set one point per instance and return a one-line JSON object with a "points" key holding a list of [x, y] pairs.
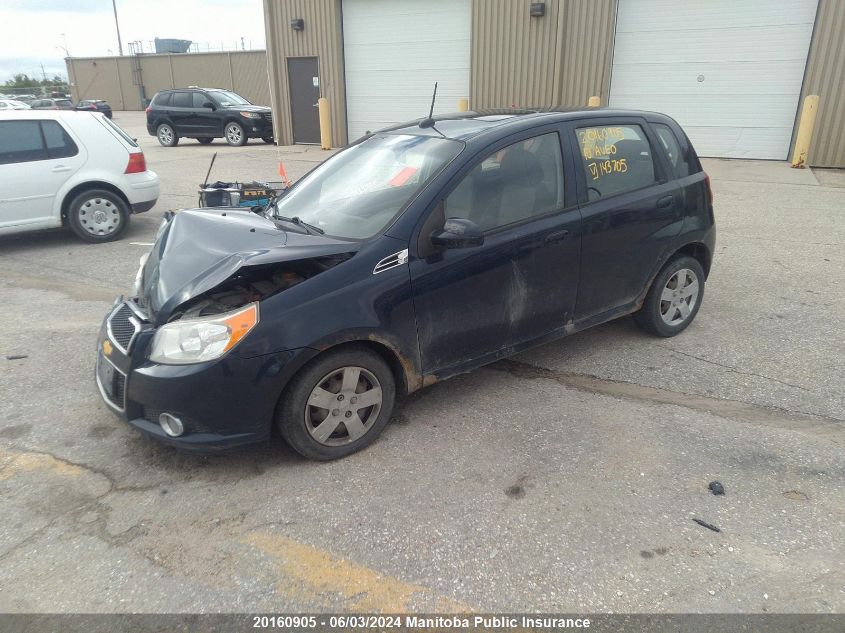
{"points": [[198, 340]]}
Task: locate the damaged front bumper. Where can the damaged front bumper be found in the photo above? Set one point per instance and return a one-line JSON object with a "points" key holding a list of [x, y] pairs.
{"points": [[223, 404]]}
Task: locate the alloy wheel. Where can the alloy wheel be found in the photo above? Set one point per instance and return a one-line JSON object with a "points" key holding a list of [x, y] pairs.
{"points": [[343, 406], [165, 135], [233, 134], [679, 297]]}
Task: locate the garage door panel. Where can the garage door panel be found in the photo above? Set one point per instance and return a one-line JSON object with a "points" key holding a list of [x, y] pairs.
{"points": [[662, 15], [736, 142], [393, 54], [716, 45], [730, 72], [718, 77]]}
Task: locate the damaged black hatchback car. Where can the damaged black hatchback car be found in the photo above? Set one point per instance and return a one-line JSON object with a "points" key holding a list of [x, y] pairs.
{"points": [[420, 252]]}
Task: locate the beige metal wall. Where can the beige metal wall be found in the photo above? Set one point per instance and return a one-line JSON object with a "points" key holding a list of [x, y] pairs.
{"points": [[110, 78], [321, 38], [559, 59], [825, 77]]}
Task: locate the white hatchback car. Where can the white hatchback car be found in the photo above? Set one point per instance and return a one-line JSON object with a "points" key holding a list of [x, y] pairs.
{"points": [[75, 169]]}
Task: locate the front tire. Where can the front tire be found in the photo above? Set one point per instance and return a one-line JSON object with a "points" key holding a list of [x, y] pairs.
{"points": [[235, 134], [268, 139], [337, 404], [167, 135], [97, 215], [674, 298]]}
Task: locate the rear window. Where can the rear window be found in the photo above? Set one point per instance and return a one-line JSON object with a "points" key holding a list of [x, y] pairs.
{"points": [[615, 159], [181, 100], [679, 163], [116, 129], [59, 143]]}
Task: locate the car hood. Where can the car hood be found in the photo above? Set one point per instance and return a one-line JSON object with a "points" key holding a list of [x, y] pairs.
{"points": [[198, 249]]}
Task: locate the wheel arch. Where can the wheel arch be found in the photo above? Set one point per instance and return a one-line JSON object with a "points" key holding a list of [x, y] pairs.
{"points": [[91, 184], [404, 372], [699, 252]]}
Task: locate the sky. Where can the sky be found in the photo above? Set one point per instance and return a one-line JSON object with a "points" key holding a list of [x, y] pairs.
{"points": [[35, 30]]}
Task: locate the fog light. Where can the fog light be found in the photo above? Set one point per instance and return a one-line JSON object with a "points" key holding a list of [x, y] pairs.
{"points": [[171, 425]]}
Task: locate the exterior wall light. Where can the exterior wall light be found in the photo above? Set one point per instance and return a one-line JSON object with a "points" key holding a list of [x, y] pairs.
{"points": [[538, 9], [297, 24]]}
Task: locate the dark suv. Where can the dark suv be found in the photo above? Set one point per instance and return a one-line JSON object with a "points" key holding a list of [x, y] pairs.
{"points": [[206, 114], [420, 252]]}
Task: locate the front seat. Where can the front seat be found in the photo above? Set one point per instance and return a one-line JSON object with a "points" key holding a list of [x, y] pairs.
{"points": [[524, 193]]}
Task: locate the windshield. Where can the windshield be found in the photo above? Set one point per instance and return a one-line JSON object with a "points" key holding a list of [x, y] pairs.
{"points": [[226, 99], [357, 192]]}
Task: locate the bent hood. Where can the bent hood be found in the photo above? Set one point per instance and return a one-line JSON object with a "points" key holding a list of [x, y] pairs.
{"points": [[199, 249]]}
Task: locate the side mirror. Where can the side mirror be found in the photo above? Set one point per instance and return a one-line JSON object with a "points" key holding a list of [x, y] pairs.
{"points": [[208, 104], [458, 233]]}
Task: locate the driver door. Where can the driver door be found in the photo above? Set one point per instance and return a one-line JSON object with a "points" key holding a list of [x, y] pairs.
{"points": [[473, 304]]}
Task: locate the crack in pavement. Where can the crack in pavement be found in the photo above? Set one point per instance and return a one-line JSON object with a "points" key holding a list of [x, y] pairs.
{"points": [[812, 424], [733, 369]]}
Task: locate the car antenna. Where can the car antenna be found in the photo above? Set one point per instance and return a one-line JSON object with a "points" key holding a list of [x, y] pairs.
{"points": [[208, 173], [429, 122]]}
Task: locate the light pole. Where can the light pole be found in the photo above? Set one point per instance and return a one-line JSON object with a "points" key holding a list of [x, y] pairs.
{"points": [[117, 28]]}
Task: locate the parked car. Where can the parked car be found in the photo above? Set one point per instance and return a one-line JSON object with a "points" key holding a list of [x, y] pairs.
{"points": [[51, 104], [73, 169], [12, 104], [205, 114], [94, 105], [418, 253]]}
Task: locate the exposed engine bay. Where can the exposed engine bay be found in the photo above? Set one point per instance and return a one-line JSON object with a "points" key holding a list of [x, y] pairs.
{"points": [[255, 283]]}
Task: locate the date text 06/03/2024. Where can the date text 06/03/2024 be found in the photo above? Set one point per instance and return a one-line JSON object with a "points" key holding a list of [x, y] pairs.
{"points": [[496, 622]]}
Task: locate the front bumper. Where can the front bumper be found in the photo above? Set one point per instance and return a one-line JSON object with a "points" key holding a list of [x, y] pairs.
{"points": [[223, 404]]}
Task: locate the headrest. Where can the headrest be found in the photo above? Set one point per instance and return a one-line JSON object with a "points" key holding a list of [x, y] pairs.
{"points": [[521, 167]]}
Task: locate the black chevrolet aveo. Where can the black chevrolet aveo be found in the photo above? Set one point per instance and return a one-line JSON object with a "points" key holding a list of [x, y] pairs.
{"points": [[419, 252]]}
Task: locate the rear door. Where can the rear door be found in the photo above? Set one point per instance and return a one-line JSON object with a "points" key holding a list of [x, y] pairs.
{"points": [[36, 159], [631, 210], [520, 284], [181, 112]]}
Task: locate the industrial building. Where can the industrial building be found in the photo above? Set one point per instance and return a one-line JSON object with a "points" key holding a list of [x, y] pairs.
{"points": [[733, 73]]}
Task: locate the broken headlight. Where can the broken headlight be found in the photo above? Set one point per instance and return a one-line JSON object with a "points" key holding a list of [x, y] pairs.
{"points": [[197, 340]]}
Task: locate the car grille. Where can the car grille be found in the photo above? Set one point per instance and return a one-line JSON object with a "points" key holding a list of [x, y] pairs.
{"points": [[268, 116], [112, 383], [123, 327]]}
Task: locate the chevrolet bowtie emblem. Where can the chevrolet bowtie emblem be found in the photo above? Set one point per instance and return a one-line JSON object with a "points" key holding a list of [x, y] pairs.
{"points": [[107, 347]]}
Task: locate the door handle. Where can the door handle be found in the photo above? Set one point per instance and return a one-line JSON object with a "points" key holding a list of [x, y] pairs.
{"points": [[665, 201], [59, 168], [556, 236]]}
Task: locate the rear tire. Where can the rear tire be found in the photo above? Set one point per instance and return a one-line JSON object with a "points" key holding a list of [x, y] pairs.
{"points": [[167, 135], [205, 140], [674, 298], [98, 215], [350, 386]]}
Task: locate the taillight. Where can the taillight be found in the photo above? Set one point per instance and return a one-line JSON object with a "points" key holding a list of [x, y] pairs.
{"points": [[709, 188], [94, 105], [148, 109], [136, 164]]}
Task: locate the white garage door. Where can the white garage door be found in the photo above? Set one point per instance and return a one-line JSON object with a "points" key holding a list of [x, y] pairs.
{"points": [[394, 52], [729, 71]]}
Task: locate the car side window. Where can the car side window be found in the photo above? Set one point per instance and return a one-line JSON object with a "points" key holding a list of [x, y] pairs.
{"points": [[513, 184], [615, 159], [199, 99], [22, 142], [670, 145], [162, 100], [181, 100], [59, 142]]}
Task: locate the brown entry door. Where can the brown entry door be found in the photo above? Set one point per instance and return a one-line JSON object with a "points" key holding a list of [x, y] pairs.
{"points": [[304, 84]]}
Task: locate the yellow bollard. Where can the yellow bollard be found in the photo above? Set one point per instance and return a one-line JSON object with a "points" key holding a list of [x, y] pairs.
{"points": [[325, 123], [594, 102], [463, 104], [805, 131]]}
